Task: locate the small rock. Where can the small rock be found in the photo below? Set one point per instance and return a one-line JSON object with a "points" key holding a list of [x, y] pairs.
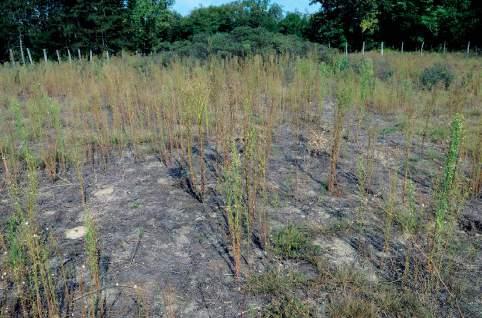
{"points": [[75, 233], [50, 212], [312, 193], [104, 192], [153, 165], [164, 181]]}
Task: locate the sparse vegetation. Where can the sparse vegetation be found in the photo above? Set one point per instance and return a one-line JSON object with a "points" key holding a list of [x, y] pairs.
{"points": [[234, 152], [437, 74]]}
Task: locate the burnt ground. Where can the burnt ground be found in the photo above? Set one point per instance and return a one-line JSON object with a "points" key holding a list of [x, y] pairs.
{"points": [[158, 241]]}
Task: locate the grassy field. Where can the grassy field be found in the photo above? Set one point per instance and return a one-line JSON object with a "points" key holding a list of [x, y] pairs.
{"points": [[276, 186]]}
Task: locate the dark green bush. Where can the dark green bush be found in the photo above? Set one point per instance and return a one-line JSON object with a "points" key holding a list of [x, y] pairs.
{"points": [[383, 69], [439, 74], [241, 41], [294, 242]]}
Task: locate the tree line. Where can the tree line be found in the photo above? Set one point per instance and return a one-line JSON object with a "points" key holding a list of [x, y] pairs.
{"points": [[238, 27]]}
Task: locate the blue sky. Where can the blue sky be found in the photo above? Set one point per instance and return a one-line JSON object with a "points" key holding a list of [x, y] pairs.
{"points": [[185, 6]]}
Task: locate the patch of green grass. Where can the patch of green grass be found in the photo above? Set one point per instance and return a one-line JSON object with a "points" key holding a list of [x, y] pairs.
{"points": [[274, 283], [289, 307], [392, 129], [337, 227], [280, 287], [352, 307], [293, 242], [135, 205], [438, 134], [274, 200], [433, 154], [354, 294]]}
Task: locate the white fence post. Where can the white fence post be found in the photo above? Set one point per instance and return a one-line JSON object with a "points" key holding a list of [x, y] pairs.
{"points": [[45, 55], [29, 56], [12, 57], [21, 49]]}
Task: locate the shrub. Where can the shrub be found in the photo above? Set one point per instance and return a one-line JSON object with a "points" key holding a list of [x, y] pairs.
{"points": [[293, 242], [328, 55], [437, 74], [383, 69]]}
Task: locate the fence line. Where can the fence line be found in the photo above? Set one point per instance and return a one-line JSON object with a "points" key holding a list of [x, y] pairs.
{"points": [[90, 56]]}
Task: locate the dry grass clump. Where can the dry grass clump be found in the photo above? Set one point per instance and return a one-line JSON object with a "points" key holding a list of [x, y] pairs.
{"points": [[318, 143]]}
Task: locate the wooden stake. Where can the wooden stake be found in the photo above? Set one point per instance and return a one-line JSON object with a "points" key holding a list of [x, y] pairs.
{"points": [[468, 48], [107, 55], [445, 48], [346, 48], [45, 55], [80, 55], [21, 49], [381, 48], [90, 55], [29, 56], [421, 48], [70, 56], [363, 48], [58, 55], [12, 57], [402, 46]]}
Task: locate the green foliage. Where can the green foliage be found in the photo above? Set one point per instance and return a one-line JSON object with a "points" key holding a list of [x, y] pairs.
{"points": [[449, 174], [227, 17], [437, 74], [409, 217], [294, 23], [344, 95], [235, 206], [91, 24], [367, 80], [352, 307], [293, 242], [233, 190], [393, 21], [340, 63], [287, 307], [241, 41], [383, 69], [150, 23], [144, 25], [91, 246], [274, 283], [16, 254]]}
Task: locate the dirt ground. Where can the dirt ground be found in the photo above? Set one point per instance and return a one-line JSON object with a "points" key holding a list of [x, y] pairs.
{"points": [[163, 248]]}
